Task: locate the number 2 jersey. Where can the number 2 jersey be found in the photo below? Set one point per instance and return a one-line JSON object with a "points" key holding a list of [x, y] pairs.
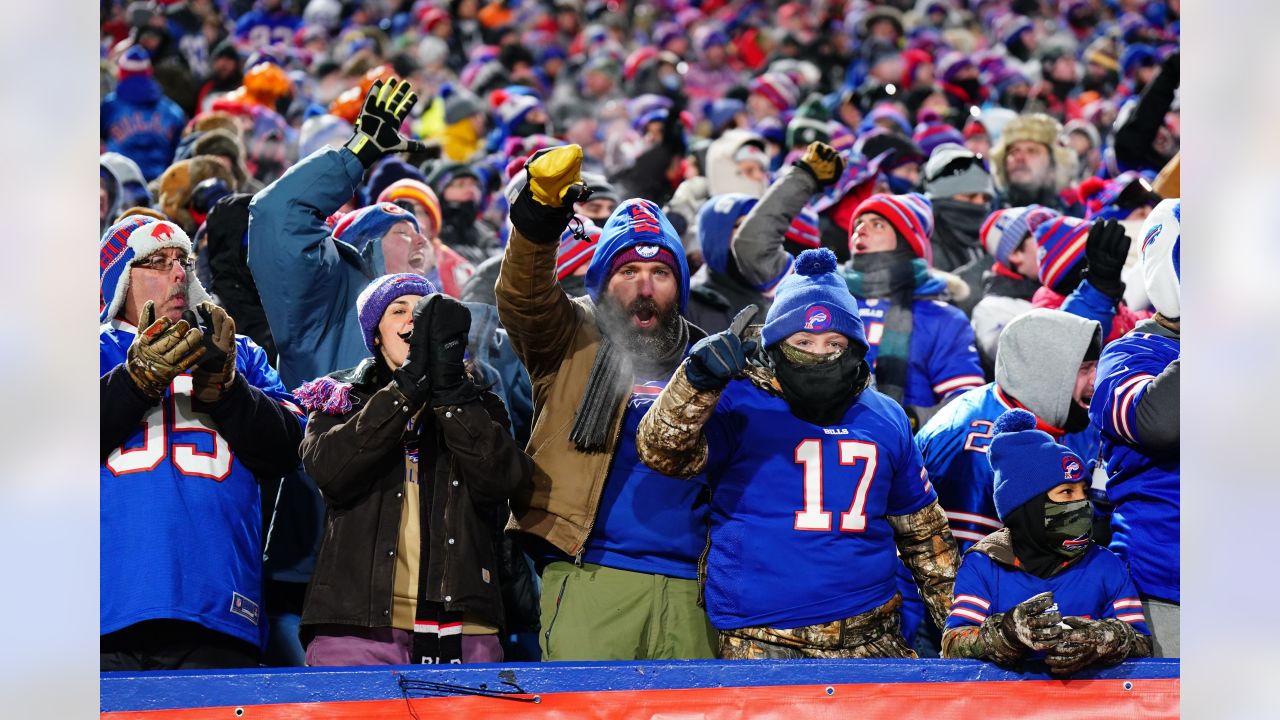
{"points": [[799, 534], [954, 444], [181, 518]]}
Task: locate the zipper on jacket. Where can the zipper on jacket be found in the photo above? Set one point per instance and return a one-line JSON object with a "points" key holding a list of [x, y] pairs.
{"points": [[582, 546]]}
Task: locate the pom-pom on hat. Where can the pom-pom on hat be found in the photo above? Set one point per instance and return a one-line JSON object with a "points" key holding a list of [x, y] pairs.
{"points": [[816, 299], [1061, 248], [1161, 261], [911, 215], [134, 238], [1027, 462], [372, 302]]}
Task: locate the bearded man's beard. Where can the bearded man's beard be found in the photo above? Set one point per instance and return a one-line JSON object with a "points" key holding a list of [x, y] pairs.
{"points": [[654, 343]]}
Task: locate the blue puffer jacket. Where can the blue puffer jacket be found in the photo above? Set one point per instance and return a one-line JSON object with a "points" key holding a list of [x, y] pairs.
{"points": [[309, 281], [139, 122]]}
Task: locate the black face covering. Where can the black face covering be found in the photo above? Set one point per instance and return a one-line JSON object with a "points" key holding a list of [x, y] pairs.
{"points": [[1048, 535], [819, 389], [972, 87], [1062, 88], [526, 128], [959, 221], [458, 212]]}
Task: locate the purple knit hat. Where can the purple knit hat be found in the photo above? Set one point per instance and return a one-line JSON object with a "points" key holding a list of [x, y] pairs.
{"points": [[380, 293]]}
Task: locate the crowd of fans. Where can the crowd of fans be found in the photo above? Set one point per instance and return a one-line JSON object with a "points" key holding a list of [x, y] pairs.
{"points": [[477, 331]]}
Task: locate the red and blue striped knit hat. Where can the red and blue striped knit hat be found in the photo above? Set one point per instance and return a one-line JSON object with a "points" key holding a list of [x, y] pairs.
{"points": [[576, 249], [1006, 228], [135, 238], [778, 89], [911, 215], [1061, 248]]}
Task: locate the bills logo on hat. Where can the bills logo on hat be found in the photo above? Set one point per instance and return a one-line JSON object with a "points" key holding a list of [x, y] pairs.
{"points": [[817, 318], [1072, 468], [647, 251], [392, 208], [162, 231], [1151, 236]]}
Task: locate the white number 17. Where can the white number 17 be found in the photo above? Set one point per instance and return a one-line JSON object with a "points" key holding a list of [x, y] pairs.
{"points": [[813, 517]]}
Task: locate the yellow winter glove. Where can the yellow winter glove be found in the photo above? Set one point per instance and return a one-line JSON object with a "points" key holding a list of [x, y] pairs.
{"points": [[554, 173]]}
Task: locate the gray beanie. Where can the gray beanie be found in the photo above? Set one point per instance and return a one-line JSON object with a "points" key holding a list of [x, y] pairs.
{"points": [[953, 169], [459, 104]]}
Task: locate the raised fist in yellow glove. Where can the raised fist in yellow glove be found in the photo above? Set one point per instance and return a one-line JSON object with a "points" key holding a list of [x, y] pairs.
{"points": [[555, 175], [542, 206]]}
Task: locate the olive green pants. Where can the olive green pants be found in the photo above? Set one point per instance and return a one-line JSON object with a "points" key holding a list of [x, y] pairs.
{"points": [[598, 613]]}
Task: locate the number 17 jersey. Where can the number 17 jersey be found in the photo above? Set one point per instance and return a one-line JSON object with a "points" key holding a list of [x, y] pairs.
{"points": [[799, 529]]}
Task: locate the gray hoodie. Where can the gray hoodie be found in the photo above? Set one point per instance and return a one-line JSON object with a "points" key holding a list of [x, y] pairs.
{"points": [[1039, 357]]}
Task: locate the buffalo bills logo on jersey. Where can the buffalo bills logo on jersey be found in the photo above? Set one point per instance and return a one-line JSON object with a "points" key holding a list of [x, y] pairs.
{"points": [[1072, 468], [817, 318], [647, 251], [643, 394], [1150, 237]]}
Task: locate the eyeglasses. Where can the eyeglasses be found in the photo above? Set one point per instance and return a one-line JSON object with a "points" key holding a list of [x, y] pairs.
{"points": [[164, 263]]}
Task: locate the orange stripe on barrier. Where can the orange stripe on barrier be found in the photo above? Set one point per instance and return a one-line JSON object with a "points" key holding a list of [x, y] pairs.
{"points": [[1028, 700]]}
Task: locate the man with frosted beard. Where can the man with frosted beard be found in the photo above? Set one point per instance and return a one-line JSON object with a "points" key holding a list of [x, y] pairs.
{"points": [[616, 543]]}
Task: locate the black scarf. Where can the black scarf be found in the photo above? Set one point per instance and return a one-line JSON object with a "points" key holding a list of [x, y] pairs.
{"points": [[955, 233], [819, 388], [612, 376], [1021, 195], [893, 275]]}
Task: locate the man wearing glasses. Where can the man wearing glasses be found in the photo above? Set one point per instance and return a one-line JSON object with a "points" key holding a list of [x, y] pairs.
{"points": [[191, 417]]}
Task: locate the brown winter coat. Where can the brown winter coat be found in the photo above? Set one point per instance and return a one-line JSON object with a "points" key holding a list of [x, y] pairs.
{"points": [[556, 338]]}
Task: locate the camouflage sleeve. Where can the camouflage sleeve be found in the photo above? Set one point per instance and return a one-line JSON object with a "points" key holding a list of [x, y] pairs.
{"points": [[670, 438], [982, 642], [929, 551]]}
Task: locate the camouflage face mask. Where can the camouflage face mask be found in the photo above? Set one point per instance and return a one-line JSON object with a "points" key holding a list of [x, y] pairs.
{"points": [[1068, 526]]}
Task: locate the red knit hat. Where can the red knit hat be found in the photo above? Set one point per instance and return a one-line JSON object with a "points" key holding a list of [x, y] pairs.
{"points": [[911, 215]]}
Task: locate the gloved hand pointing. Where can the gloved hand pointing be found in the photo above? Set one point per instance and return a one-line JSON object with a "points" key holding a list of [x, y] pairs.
{"points": [[717, 359]]}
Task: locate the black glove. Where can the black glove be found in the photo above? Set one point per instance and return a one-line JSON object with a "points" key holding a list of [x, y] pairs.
{"points": [[378, 125], [1105, 251], [823, 162], [450, 322], [412, 378], [1033, 623], [542, 208], [717, 359]]}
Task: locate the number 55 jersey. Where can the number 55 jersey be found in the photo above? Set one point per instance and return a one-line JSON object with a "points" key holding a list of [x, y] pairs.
{"points": [[799, 529], [181, 518]]}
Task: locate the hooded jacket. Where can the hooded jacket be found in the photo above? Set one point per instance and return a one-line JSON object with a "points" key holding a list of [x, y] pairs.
{"points": [[557, 340], [141, 124], [745, 267], [722, 170], [954, 442]]}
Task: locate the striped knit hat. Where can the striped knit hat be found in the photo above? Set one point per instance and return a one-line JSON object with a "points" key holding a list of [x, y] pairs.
{"points": [[778, 89], [1061, 248], [136, 62], [911, 215], [372, 302], [417, 191], [1005, 229], [932, 132], [135, 238], [575, 251]]}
